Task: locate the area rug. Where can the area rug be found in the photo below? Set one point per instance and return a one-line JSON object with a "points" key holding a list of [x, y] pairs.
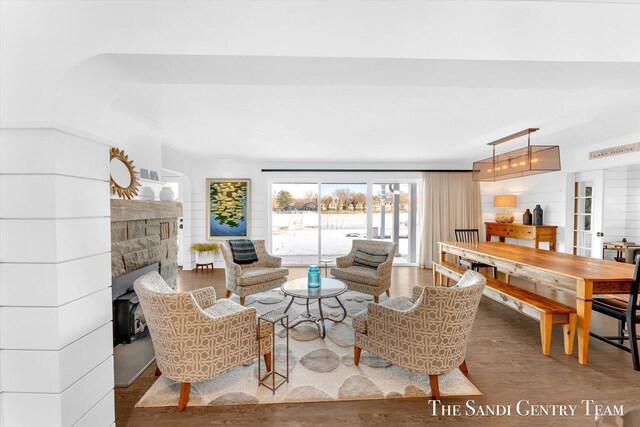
{"points": [[319, 369]]}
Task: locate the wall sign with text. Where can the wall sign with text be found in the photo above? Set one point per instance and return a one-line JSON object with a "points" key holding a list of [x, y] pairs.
{"points": [[614, 151]]}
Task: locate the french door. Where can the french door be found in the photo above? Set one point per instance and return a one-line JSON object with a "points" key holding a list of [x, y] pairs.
{"points": [[587, 214]]}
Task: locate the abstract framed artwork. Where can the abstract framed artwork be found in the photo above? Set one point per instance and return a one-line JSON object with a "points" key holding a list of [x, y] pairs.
{"points": [[228, 208]]}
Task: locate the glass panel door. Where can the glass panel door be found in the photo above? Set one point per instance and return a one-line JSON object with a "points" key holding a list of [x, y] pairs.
{"points": [[294, 222], [310, 221], [394, 217], [582, 218], [343, 217]]}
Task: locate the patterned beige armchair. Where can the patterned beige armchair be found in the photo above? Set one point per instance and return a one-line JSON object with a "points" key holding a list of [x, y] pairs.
{"points": [[367, 280], [242, 280], [427, 333], [195, 336]]}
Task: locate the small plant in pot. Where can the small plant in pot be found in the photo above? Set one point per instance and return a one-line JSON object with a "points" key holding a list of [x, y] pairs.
{"points": [[205, 252]]}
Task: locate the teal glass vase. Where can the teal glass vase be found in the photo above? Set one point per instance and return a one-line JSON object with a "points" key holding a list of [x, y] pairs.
{"points": [[313, 277]]}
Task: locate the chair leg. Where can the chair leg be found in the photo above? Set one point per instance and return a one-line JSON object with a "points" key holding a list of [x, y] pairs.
{"points": [[545, 332], [463, 367], [435, 390], [267, 361], [621, 331], [388, 293], [228, 293], [242, 300], [185, 388], [158, 372], [633, 339], [495, 272], [375, 298], [356, 355], [569, 334]]}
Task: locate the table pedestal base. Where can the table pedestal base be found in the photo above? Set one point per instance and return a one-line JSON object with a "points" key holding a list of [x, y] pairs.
{"points": [[319, 321]]}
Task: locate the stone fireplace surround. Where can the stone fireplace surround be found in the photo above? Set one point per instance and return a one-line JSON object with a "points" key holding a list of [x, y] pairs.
{"points": [[144, 232]]}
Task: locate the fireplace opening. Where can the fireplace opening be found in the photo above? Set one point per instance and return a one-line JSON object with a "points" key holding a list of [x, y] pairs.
{"points": [[128, 319]]}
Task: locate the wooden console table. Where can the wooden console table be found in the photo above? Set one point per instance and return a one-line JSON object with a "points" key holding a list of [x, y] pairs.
{"points": [[537, 233]]}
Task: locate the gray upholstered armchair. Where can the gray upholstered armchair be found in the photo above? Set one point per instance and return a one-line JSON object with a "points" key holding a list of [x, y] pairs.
{"points": [[427, 333], [195, 336], [242, 280], [372, 281]]}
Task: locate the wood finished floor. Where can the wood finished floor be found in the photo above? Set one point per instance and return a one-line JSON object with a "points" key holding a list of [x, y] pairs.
{"points": [[504, 359]]}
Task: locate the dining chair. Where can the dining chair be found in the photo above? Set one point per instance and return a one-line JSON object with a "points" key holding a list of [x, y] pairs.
{"points": [[627, 312], [471, 235]]}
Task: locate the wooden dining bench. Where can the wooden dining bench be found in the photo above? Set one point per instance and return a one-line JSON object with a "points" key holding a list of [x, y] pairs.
{"points": [[546, 311]]}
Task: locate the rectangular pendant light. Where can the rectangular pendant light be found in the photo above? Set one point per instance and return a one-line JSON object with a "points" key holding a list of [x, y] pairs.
{"points": [[530, 160]]}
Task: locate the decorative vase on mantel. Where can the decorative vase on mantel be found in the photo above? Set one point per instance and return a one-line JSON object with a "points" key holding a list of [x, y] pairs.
{"points": [[527, 217], [537, 215], [167, 194]]}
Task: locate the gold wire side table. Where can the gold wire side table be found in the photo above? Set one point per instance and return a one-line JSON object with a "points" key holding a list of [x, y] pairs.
{"points": [[274, 317]]}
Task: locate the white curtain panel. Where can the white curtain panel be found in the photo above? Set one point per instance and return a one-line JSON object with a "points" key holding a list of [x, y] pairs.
{"points": [[450, 200]]}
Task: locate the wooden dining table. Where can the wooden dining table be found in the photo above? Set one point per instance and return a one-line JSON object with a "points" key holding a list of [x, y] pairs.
{"points": [[580, 276]]}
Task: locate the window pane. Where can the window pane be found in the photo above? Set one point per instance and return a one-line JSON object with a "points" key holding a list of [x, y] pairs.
{"points": [[294, 222], [394, 198], [588, 191], [343, 217]]}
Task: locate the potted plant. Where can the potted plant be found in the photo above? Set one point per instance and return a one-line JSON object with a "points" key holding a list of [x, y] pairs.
{"points": [[205, 252]]}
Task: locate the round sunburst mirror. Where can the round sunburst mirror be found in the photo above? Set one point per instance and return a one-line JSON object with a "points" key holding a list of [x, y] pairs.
{"points": [[124, 180]]}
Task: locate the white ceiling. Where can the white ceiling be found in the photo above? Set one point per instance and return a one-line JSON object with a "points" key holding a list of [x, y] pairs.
{"points": [[374, 81], [372, 110]]}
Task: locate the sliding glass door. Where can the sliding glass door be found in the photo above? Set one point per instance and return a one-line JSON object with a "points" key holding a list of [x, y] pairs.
{"points": [[319, 220], [294, 222], [343, 217], [395, 217]]}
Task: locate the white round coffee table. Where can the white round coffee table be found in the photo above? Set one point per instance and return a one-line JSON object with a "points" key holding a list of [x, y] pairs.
{"points": [[329, 288]]}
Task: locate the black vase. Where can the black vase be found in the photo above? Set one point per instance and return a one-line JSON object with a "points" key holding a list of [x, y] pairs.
{"points": [[537, 215], [527, 217]]}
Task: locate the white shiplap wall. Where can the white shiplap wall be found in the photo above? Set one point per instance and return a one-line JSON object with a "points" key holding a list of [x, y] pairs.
{"points": [[632, 230], [622, 205], [196, 171], [546, 190], [56, 355], [614, 220]]}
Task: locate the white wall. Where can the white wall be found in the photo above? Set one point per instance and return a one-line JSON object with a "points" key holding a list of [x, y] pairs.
{"points": [[56, 362], [615, 206], [546, 190], [550, 190], [137, 133], [198, 170], [632, 231]]}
